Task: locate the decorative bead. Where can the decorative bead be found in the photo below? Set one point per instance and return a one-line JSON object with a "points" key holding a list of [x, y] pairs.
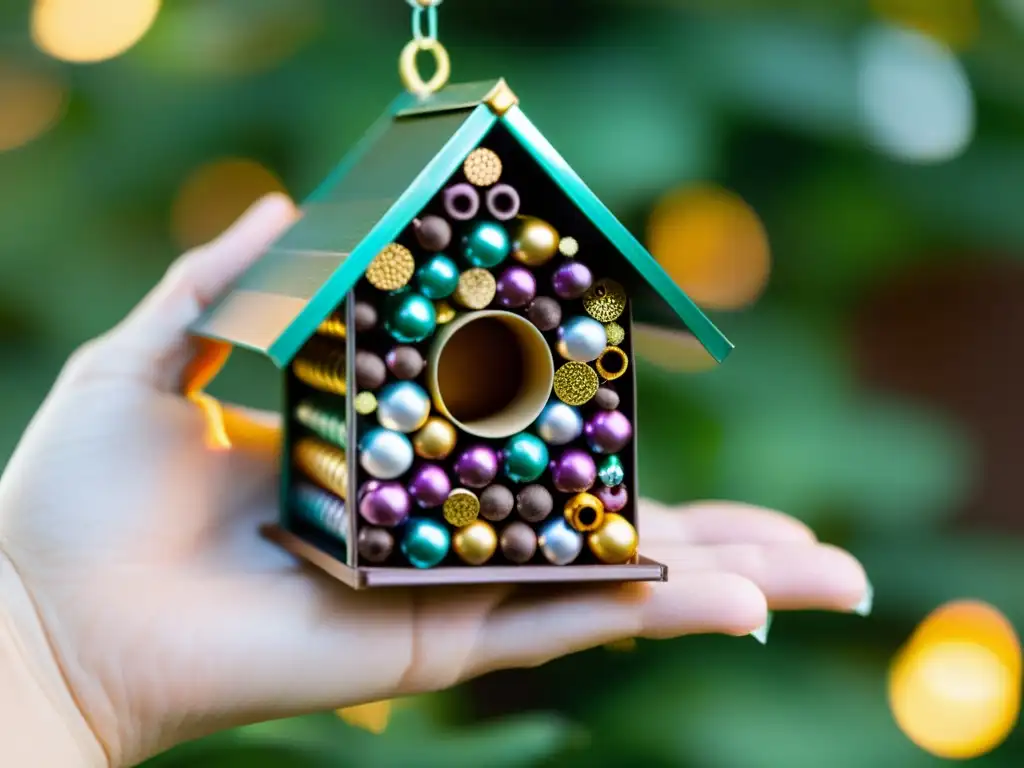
{"points": [[503, 202], [430, 486], [403, 406], [445, 312], [559, 424], [461, 507], [324, 464], [486, 245], [476, 290], [436, 440], [334, 327], [575, 383], [581, 339], [568, 247], [611, 472], [516, 288], [605, 301], [385, 454], [607, 398], [383, 503], [535, 242], [322, 368], [437, 278], [534, 503], [615, 542], [560, 544], [370, 370], [526, 458], [616, 333], [410, 318], [496, 503], [375, 545], [572, 279], [392, 268], [545, 313], [365, 403], [584, 512], [476, 543], [614, 499], [323, 423], [612, 364], [574, 472], [405, 363], [425, 543], [482, 167], [321, 509], [477, 466], [366, 317], [518, 543], [608, 431], [461, 202], [432, 233]]}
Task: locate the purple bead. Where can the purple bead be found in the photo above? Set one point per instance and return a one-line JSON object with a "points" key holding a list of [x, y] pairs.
{"points": [[477, 466], [614, 499], [461, 202], [608, 431], [503, 202], [383, 504], [516, 287], [430, 486], [574, 472], [572, 280]]}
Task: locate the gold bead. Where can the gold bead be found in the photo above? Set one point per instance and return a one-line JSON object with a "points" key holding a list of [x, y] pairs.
{"points": [[324, 464], [476, 289], [461, 507], [482, 167], [445, 312], [584, 512], [576, 383], [612, 364], [476, 543], [435, 440], [365, 403], [605, 301], [615, 542], [535, 242], [568, 247], [392, 269], [616, 334]]}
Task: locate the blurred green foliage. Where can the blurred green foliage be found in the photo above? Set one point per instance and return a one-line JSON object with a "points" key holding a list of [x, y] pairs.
{"points": [[761, 97]]}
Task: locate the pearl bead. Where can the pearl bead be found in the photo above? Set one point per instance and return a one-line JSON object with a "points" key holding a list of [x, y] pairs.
{"points": [[572, 279], [433, 233], [476, 543], [370, 370], [425, 543], [559, 424], [430, 486], [535, 242], [486, 245], [582, 339], [584, 512], [405, 363], [366, 317], [615, 542], [614, 499], [516, 288], [608, 431], [545, 313], [526, 458], [477, 466], [607, 399], [574, 472], [436, 440], [518, 543], [375, 545], [560, 544], [611, 472], [383, 504], [403, 406], [385, 454], [496, 503], [409, 317], [534, 503], [438, 278]]}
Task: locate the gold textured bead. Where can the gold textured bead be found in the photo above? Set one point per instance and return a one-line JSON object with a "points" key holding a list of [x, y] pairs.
{"points": [[584, 512], [605, 301], [475, 543], [568, 247], [616, 334], [365, 403], [576, 383], [482, 167], [476, 289], [324, 371], [435, 440], [392, 269], [615, 542], [324, 464], [333, 326], [612, 364], [445, 312], [535, 242], [461, 508]]}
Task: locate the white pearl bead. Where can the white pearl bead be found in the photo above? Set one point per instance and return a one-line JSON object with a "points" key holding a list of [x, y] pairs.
{"points": [[385, 454], [560, 544], [559, 424], [403, 407], [582, 339]]}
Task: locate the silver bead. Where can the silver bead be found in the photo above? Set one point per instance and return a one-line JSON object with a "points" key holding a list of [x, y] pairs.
{"points": [[582, 339], [403, 406], [560, 544], [385, 454], [559, 424]]}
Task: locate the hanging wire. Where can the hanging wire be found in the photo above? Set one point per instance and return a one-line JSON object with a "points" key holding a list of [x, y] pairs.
{"points": [[424, 42]]}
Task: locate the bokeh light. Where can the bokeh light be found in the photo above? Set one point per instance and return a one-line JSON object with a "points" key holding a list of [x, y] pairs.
{"points": [[675, 351], [87, 31], [955, 687], [215, 195], [31, 102], [954, 22], [373, 717], [712, 244]]}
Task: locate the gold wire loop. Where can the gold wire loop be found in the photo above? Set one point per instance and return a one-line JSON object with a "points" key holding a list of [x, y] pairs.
{"points": [[409, 70]]}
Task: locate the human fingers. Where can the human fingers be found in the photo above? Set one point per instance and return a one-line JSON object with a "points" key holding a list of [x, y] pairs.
{"points": [[719, 522]]}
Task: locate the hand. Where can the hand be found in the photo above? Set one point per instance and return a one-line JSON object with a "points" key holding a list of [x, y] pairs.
{"points": [[169, 616]]}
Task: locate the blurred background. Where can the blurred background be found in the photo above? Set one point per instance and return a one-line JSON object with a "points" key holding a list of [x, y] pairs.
{"points": [[841, 186]]}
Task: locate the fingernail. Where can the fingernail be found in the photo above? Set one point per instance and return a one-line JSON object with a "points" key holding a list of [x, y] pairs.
{"points": [[863, 608], [761, 633]]}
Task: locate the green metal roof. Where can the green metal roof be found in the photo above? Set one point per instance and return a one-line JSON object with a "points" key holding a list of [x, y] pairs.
{"points": [[397, 168]]}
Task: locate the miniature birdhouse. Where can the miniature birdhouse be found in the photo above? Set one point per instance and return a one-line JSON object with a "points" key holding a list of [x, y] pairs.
{"points": [[453, 316]]}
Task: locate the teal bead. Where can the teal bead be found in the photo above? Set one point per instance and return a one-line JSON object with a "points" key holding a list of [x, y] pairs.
{"points": [[409, 317], [438, 278], [486, 245], [526, 458], [611, 472], [425, 542]]}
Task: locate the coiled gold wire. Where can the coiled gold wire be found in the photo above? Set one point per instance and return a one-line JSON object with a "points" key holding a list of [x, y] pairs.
{"points": [[324, 464], [324, 369], [334, 327]]}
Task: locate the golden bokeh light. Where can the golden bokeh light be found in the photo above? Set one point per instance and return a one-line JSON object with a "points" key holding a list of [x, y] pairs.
{"points": [[215, 195], [712, 244], [955, 688], [675, 351], [953, 22], [88, 31], [30, 104]]}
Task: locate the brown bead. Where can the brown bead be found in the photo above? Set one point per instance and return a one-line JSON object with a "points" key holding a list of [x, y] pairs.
{"points": [[607, 399], [405, 362], [534, 503], [371, 372], [496, 503], [375, 545], [366, 316], [433, 233], [545, 313], [518, 543]]}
